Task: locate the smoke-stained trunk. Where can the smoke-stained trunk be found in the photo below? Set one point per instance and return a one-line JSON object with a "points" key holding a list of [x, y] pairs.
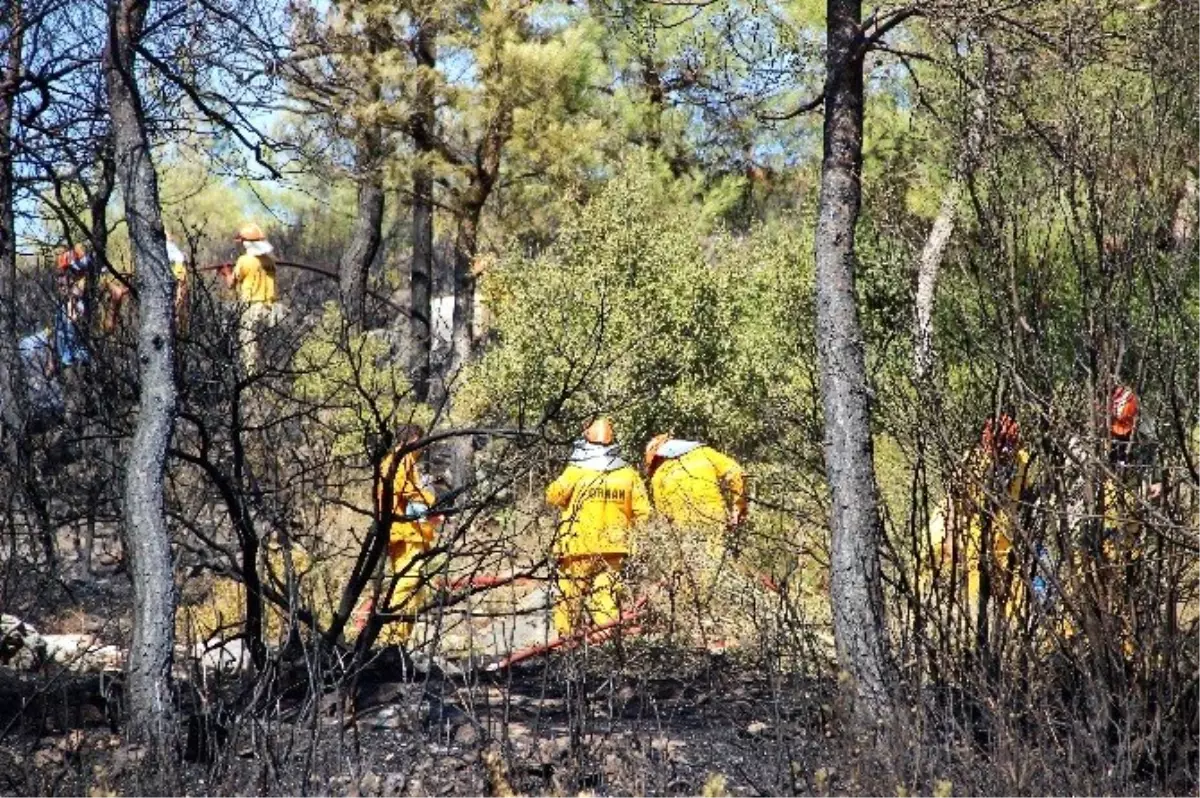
{"points": [[98, 213], [147, 540], [466, 242], [466, 247], [12, 427], [367, 233], [355, 263], [855, 584], [421, 309]]}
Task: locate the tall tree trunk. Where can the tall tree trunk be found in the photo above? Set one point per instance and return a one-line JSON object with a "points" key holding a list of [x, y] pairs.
{"points": [[13, 396], [146, 534], [98, 213], [12, 391], [367, 233], [927, 274], [855, 586], [101, 194], [934, 250], [466, 245], [421, 298], [355, 263]]}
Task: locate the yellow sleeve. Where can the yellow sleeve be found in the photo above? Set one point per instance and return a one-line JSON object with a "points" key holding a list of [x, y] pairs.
{"points": [[639, 500], [560, 490], [1027, 474], [384, 465], [241, 270], [731, 473]]}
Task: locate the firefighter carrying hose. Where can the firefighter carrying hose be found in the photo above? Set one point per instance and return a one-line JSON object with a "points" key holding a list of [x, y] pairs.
{"points": [[601, 497]]}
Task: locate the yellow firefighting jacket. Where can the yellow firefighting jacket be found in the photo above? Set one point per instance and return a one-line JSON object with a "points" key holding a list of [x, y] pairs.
{"points": [[601, 497], [411, 522], [688, 486], [254, 276]]}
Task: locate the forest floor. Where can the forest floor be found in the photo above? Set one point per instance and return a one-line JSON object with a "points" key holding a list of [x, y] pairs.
{"points": [[629, 716]]}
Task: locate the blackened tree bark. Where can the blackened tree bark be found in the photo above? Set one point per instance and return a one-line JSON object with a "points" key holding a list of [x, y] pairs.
{"points": [[13, 410], [486, 169], [421, 299], [855, 583], [101, 194], [146, 535], [12, 392], [466, 247], [98, 211], [367, 232]]}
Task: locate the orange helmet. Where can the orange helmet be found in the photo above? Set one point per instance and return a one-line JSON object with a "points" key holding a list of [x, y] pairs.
{"points": [[250, 232], [1124, 409], [599, 431], [1001, 435], [654, 445]]}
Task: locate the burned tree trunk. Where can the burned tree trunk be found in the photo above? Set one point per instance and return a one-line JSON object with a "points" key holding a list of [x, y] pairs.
{"points": [[466, 247], [421, 308], [14, 408], [855, 580], [147, 538], [12, 383], [466, 243], [367, 233]]}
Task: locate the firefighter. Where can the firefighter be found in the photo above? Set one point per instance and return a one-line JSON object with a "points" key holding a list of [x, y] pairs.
{"points": [[114, 291], [413, 528], [983, 512], [695, 485], [699, 491], [70, 319], [253, 275], [601, 497]]}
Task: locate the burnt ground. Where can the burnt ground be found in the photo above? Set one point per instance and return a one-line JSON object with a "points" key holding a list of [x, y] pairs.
{"points": [[604, 721], [626, 717]]}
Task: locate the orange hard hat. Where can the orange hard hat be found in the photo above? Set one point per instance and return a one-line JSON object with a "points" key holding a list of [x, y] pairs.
{"points": [[599, 431], [1124, 408], [1001, 435], [250, 232], [654, 445]]}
